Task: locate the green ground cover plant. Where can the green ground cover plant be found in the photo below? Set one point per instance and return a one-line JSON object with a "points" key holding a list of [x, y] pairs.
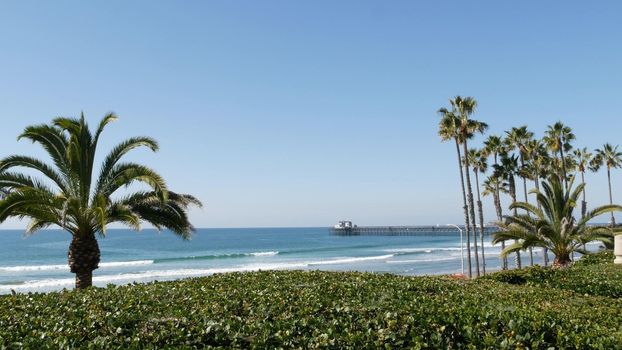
{"points": [[328, 310], [592, 275]]}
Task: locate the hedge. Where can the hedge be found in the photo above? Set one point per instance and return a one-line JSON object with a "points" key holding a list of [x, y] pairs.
{"points": [[592, 275], [313, 310]]}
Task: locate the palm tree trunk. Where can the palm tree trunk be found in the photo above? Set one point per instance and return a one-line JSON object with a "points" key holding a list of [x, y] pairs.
{"points": [[583, 202], [471, 206], [545, 251], [522, 163], [84, 279], [504, 260], [497, 197], [481, 221], [561, 261], [83, 257], [561, 152], [613, 219], [466, 212], [513, 194]]}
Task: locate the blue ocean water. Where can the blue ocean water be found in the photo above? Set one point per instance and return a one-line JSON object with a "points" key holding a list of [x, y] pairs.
{"points": [[39, 262]]}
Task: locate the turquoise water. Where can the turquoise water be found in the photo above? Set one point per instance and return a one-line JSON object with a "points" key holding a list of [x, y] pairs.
{"points": [[39, 262]]}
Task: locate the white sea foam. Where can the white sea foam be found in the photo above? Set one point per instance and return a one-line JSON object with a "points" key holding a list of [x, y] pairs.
{"points": [[350, 260], [51, 284], [273, 253], [64, 267], [38, 284], [143, 276], [414, 261], [125, 263], [33, 268], [421, 250], [428, 250]]}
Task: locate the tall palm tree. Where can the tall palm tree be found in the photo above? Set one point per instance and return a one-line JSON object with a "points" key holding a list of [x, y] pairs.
{"points": [[495, 146], [463, 109], [69, 196], [539, 161], [489, 188], [519, 138], [538, 168], [583, 160], [507, 169], [479, 163], [554, 226], [492, 186], [448, 130], [558, 138], [612, 158]]}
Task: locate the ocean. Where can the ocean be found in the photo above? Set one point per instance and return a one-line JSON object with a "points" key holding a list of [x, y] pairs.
{"points": [[39, 263]]}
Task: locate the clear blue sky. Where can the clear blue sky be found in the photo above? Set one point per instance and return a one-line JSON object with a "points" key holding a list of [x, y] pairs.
{"points": [[301, 113]]}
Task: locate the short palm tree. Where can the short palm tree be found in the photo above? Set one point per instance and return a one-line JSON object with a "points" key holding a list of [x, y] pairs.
{"points": [[554, 226], [612, 158], [69, 196]]}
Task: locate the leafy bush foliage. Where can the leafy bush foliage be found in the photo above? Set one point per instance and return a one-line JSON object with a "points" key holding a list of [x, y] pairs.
{"points": [[313, 310], [600, 258], [535, 274], [593, 274]]}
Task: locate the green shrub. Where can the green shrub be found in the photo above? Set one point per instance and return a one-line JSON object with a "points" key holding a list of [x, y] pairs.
{"points": [[600, 258], [593, 274], [535, 274], [312, 310]]}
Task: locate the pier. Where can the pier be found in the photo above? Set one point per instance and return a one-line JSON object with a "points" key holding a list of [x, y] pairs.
{"points": [[403, 230]]}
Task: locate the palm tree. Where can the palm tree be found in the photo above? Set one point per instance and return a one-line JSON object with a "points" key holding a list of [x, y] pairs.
{"points": [[538, 168], [554, 226], [612, 158], [506, 170], [539, 161], [583, 160], [495, 146], [558, 138], [463, 108], [448, 130], [479, 162], [70, 197], [492, 186], [519, 138]]}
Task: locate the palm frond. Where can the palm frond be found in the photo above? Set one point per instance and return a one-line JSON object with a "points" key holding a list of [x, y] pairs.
{"points": [[125, 174], [512, 248], [529, 208], [52, 140], [117, 153], [34, 164]]}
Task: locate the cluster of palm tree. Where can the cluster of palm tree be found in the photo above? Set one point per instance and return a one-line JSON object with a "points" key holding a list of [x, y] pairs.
{"points": [[515, 157]]}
